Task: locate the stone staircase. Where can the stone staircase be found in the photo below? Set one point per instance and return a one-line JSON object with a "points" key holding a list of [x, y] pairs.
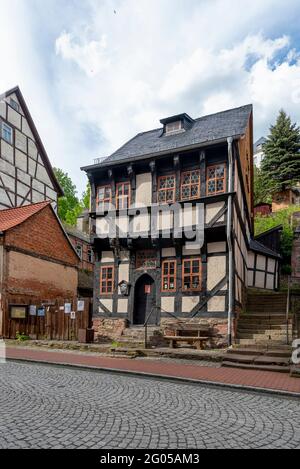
{"points": [[263, 359], [263, 340], [265, 322]]}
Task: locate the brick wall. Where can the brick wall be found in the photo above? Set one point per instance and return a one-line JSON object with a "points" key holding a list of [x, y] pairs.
{"points": [[32, 277], [85, 247], [42, 235]]}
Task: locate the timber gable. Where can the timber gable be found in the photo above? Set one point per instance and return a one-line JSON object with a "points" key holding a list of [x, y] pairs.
{"points": [[26, 175]]}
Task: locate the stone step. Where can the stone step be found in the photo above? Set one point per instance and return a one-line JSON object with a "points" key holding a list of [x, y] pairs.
{"points": [[245, 327], [257, 359], [244, 351], [268, 335], [240, 358], [265, 331], [262, 343], [246, 366], [282, 348], [295, 371]]}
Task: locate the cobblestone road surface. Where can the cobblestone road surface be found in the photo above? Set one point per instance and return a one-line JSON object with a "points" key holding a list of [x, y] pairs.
{"points": [[55, 407]]}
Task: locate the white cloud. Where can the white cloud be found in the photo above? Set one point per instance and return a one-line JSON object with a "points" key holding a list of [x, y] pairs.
{"points": [[93, 78], [89, 56]]}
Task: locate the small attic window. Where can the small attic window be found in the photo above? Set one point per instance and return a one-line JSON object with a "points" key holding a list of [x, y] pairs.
{"points": [[174, 127], [14, 105]]}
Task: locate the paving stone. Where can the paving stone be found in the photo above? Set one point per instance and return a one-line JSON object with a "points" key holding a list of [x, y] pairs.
{"points": [[101, 410]]}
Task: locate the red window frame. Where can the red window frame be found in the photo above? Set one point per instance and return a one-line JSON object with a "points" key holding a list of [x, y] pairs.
{"points": [[164, 190], [123, 200], [106, 200], [188, 266], [190, 184], [107, 277], [168, 275], [216, 178]]}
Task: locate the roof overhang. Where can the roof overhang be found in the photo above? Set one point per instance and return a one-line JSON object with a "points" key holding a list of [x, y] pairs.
{"points": [[108, 164]]}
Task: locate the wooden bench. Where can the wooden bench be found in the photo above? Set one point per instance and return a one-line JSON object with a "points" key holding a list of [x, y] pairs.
{"points": [[195, 334], [198, 341]]}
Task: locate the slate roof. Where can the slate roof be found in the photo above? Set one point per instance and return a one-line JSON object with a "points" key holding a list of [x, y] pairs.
{"points": [[219, 126], [262, 249], [72, 231], [12, 217]]}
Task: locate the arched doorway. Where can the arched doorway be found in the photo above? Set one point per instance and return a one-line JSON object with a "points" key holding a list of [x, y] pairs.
{"points": [[144, 300]]}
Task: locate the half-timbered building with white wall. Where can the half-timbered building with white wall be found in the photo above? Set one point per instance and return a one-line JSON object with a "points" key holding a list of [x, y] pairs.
{"points": [[146, 263], [26, 175]]}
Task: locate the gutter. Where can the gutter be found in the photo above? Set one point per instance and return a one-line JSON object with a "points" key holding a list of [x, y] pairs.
{"points": [[229, 241]]}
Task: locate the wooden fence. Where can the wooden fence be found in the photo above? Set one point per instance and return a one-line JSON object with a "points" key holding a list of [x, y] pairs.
{"points": [[53, 320]]}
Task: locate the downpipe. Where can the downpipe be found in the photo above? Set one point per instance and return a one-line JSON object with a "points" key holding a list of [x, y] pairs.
{"points": [[229, 241]]}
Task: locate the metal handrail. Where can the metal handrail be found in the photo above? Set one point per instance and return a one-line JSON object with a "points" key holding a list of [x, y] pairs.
{"points": [[148, 318], [288, 301]]}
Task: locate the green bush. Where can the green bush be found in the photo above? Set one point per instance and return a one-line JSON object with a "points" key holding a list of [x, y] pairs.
{"points": [[282, 217], [22, 337]]}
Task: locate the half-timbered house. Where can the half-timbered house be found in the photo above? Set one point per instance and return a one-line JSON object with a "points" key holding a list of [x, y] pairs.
{"points": [[150, 263], [26, 175]]}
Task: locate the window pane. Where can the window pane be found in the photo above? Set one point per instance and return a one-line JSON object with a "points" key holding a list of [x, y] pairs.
{"points": [[220, 185], [220, 171], [211, 186]]}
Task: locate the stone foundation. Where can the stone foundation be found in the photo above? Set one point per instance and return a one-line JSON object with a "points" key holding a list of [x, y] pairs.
{"points": [[109, 329], [114, 329]]}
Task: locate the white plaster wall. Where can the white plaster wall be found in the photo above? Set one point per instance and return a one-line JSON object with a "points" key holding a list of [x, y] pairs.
{"points": [[123, 273], [107, 256], [216, 304], [107, 303], [216, 247], [270, 282], [14, 117], [168, 252], [141, 223], [211, 211], [168, 303], [191, 249], [260, 280], [216, 270], [143, 192], [122, 305], [261, 262], [102, 226], [188, 303]]}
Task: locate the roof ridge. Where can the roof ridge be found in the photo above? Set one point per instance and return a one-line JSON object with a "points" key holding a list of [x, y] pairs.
{"points": [[223, 112]]}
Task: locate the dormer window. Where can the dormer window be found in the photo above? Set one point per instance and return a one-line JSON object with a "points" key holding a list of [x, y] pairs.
{"points": [[176, 124], [174, 127]]}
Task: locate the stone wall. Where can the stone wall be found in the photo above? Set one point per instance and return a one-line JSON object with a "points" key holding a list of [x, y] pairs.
{"points": [[218, 329], [109, 329]]}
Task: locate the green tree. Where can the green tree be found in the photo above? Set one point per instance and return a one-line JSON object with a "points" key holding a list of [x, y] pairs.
{"points": [[86, 197], [282, 217], [261, 190], [281, 164], [69, 206]]}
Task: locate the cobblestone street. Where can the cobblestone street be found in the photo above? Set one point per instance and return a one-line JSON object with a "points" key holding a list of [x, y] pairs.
{"points": [[55, 407]]}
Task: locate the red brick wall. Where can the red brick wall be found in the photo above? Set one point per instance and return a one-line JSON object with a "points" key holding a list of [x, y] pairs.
{"points": [[84, 263], [41, 234]]}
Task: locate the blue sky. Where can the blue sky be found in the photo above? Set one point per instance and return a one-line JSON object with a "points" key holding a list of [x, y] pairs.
{"points": [[96, 72]]}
